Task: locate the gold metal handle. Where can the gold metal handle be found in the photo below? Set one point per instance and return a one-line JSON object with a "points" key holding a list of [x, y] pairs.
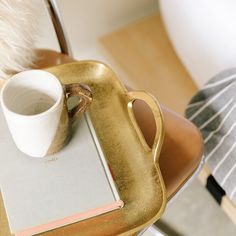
{"points": [[85, 95], [157, 113]]}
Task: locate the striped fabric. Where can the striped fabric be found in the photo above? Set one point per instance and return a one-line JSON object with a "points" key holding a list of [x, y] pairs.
{"points": [[213, 110]]}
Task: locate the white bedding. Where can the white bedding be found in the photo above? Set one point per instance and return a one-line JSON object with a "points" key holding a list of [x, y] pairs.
{"points": [[203, 33]]}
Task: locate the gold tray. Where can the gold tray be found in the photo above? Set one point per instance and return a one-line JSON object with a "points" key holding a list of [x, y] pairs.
{"points": [[134, 165]]}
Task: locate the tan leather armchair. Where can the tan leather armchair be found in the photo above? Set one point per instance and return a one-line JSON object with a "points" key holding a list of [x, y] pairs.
{"points": [[182, 148]]}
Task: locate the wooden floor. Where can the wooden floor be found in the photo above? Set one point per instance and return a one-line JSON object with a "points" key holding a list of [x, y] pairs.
{"points": [[144, 53]]}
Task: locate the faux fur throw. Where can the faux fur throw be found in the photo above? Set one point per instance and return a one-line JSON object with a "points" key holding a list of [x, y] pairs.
{"points": [[18, 27]]}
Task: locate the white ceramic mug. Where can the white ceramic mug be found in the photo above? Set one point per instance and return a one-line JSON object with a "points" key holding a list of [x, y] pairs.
{"points": [[34, 104]]}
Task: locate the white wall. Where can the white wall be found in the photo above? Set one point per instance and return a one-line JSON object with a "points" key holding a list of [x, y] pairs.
{"points": [[87, 20], [46, 37]]}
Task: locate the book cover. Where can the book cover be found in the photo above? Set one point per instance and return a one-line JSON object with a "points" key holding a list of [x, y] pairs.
{"points": [[47, 193]]}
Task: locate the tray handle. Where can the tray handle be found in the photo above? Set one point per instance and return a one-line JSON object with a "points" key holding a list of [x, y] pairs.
{"points": [[151, 101]]}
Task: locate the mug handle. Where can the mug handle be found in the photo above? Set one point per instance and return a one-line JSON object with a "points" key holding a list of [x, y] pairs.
{"points": [[82, 91]]}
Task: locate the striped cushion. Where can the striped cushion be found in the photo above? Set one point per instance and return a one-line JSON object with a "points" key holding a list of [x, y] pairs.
{"points": [[213, 110]]}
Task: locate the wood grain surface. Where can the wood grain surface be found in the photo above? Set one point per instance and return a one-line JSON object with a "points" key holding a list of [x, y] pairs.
{"points": [[143, 51]]}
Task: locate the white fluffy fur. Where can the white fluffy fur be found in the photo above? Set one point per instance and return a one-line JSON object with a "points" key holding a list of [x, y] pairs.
{"points": [[18, 24]]}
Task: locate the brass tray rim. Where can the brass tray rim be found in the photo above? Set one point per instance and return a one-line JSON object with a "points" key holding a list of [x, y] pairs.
{"points": [[155, 163]]}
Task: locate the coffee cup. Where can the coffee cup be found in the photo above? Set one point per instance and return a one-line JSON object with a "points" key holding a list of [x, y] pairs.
{"points": [[34, 104]]}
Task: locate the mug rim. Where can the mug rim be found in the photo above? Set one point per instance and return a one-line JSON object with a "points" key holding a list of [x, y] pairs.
{"points": [[20, 74]]}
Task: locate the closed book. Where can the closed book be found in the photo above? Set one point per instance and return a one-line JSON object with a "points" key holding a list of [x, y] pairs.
{"points": [[41, 194]]}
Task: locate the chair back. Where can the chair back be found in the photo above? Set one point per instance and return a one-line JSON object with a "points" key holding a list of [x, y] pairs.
{"points": [[59, 27]]}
